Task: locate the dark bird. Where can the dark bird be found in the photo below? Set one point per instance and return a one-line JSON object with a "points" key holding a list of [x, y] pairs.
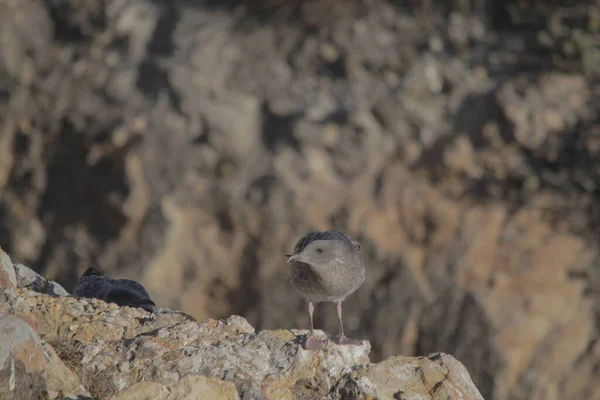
{"points": [[326, 266], [124, 292]]}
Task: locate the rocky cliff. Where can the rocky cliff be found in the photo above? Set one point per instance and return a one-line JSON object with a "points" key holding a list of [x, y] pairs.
{"points": [[56, 346], [188, 144]]}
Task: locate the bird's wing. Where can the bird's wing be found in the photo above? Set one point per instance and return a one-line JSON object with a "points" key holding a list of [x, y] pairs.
{"points": [[133, 287], [92, 287], [124, 296]]}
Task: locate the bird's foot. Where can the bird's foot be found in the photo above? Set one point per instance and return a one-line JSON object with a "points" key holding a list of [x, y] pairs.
{"points": [[342, 339], [312, 343]]}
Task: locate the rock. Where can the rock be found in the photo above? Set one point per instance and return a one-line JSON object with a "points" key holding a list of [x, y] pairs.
{"points": [[21, 360], [547, 108], [8, 277], [410, 379], [121, 353], [29, 368], [27, 278], [188, 387]]}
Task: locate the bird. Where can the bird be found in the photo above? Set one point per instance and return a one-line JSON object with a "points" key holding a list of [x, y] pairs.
{"points": [[326, 266], [124, 292]]}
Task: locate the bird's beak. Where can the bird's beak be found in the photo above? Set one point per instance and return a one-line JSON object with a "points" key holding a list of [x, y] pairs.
{"points": [[293, 258]]}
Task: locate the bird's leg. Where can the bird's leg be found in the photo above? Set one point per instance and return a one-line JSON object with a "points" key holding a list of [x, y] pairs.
{"points": [[342, 339], [312, 343], [339, 313], [311, 309]]}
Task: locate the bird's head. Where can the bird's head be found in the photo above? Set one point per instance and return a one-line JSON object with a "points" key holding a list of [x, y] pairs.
{"points": [[322, 252], [92, 271]]}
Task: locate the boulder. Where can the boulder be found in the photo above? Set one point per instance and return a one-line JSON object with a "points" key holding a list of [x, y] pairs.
{"points": [[29, 367]]}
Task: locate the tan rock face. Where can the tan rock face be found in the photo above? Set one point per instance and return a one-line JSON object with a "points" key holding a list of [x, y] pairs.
{"points": [[29, 368], [122, 353], [8, 278], [410, 378], [190, 387]]}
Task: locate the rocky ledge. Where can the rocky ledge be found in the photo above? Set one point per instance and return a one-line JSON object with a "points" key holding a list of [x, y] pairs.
{"points": [[53, 345]]}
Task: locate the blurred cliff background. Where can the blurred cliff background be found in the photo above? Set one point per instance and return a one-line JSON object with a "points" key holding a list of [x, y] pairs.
{"points": [[189, 144]]}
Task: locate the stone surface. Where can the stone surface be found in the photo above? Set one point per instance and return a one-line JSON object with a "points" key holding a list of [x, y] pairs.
{"points": [[28, 278], [409, 378], [189, 387], [29, 368], [188, 145], [122, 353], [8, 278]]}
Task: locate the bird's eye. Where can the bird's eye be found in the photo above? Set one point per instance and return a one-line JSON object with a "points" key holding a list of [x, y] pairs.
{"points": [[319, 250]]}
